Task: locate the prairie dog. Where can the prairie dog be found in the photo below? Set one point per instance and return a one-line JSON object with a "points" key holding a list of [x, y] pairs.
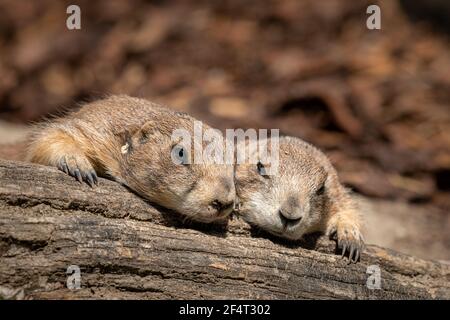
{"points": [[304, 196], [130, 140]]}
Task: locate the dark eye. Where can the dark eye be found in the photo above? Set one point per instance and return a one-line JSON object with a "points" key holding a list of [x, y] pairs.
{"points": [[261, 169], [321, 190], [179, 155]]}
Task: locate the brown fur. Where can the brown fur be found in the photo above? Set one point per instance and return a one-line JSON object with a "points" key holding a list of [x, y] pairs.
{"points": [[291, 203], [129, 140]]}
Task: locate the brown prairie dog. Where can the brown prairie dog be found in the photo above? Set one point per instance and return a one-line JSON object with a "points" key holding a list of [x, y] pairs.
{"points": [[304, 196], [130, 140]]}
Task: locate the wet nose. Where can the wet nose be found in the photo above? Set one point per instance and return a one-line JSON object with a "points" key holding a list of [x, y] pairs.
{"points": [[288, 217], [226, 200], [220, 205], [291, 209]]}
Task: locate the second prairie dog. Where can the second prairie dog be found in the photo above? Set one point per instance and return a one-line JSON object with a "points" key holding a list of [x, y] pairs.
{"points": [[305, 196], [130, 140]]}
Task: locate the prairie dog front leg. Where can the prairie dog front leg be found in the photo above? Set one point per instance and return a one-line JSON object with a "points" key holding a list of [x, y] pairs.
{"points": [[345, 226]]}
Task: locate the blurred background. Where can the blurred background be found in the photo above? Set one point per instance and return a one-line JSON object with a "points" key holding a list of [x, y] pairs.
{"points": [[376, 101]]}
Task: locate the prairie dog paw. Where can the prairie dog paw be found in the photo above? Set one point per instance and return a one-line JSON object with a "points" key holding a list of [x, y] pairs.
{"points": [[78, 167], [349, 239]]}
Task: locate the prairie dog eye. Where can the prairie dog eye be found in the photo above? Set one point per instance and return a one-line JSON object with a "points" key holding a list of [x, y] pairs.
{"points": [[261, 169], [321, 190], [179, 155]]}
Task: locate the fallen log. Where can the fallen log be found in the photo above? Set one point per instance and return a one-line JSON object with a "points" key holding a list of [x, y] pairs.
{"points": [[125, 247]]}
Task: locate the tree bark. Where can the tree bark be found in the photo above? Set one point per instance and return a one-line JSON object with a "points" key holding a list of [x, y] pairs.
{"points": [[128, 248]]}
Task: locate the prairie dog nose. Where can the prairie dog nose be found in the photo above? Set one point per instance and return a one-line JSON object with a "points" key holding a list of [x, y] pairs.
{"points": [[222, 206], [288, 217], [291, 209], [226, 199]]}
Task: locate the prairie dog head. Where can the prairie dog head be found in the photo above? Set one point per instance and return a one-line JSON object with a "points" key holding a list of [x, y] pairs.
{"points": [[162, 169], [294, 201]]}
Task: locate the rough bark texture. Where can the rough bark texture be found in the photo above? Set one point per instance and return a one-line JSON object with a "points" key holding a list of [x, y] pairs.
{"points": [[127, 248]]}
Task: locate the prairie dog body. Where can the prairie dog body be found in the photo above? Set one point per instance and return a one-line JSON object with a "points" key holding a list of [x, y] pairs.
{"points": [[130, 140], [305, 196]]}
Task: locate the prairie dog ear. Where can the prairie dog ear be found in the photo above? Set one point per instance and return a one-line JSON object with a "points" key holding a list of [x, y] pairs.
{"points": [[134, 138], [142, 135]]}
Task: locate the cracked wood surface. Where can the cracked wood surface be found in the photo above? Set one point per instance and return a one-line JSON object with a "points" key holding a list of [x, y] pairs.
{"points": [[127, 248]]}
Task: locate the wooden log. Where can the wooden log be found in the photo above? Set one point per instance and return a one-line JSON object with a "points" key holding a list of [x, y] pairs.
{"points": [[127, 248]]}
